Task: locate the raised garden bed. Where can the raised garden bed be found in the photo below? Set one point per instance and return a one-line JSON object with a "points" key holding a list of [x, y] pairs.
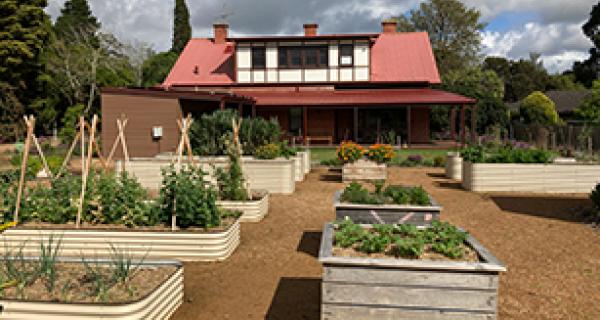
{"points": [[386, 213], [454, 166], [154, 292], [306, 160], [377, 286], [253, 210], [152, 242], [298, 167], [530, 177], [276, 176], [364, 170]]}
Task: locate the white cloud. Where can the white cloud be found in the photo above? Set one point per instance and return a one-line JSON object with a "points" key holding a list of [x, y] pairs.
{"points": [[550, 11], [559, 43]]}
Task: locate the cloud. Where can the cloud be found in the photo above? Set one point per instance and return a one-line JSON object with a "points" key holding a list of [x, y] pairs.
{"points": [[559, 43], [554, 29]]}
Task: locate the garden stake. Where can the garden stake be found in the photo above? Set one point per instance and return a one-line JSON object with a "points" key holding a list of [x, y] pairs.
{"points": [[121, 124], [68, 156], [30, 125], [85, 172]]}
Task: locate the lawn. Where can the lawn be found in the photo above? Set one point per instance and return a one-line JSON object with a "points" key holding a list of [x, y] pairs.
{"points": [[320, 154]]}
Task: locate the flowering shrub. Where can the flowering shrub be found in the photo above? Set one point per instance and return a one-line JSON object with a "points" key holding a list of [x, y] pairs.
{"points": [[380, 153], [349, 152], [268, 151]]}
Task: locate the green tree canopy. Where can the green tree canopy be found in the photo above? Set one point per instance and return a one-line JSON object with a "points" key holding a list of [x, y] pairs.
{"points": [[537, 108], [24, 32], [76, 19], [521, 77], [157, 67], [182, 31], [453, 28], [587, 71], [589, 109], [485, 86]]}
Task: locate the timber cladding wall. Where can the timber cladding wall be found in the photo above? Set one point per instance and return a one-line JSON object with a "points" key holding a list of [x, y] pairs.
{"points": [[142, 112], [419, 127], [519, 177]]}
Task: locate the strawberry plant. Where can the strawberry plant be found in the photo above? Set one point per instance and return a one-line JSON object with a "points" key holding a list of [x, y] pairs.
{"points": [[356, 193]]}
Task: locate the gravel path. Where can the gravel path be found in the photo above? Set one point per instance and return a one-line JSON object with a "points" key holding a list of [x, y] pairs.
{"points": [[553, 260]]}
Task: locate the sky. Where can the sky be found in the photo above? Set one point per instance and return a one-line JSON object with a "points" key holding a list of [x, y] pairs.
{"points": [[514, 27]]}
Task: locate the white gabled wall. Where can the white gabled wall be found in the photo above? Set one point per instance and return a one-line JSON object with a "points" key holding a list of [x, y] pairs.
{"points": [[359, 72]]}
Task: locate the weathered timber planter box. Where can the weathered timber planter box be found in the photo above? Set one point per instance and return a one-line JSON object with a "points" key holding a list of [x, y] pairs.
{"points": [[160, 304], [306, 159], [386, 213], [181, 245], [277, 175], [364, 170], [525, 177], [388, 288], [454, 166], [298, 167], [253, 210]]}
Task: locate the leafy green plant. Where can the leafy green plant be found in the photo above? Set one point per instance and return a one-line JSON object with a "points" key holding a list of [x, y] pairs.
{"points": [[410, 247], [231, 181], [348, 233], [186, 193], [356, 193], [374, 243], [47, 261], [268, 151], [473, 154], [439, 161], [286, 151]]}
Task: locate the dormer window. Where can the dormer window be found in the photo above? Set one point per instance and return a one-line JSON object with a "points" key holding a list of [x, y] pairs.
{"points": [[308, 57], [259, 57], [346, 55]]}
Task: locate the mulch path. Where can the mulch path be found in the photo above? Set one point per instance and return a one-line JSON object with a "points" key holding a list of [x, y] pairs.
{"points": [[553, 260]]}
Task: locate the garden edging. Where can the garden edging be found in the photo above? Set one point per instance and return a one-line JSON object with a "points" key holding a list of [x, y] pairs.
{"points": [[180, 245], [160, 304]]}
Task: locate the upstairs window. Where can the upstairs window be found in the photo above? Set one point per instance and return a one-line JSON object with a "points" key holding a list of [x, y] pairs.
{"points": [[259, 57], [346, 55], [303, 57]]}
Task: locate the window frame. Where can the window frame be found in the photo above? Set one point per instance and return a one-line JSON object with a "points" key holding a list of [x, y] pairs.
{"points": [[341, 47], [264, 56], [319, 50]]}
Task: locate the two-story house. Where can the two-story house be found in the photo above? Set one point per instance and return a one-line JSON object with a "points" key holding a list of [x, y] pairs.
{"points": [[321, 88]]}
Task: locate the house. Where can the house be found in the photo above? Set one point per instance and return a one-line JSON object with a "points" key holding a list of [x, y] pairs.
{"points": [[321, 88]]}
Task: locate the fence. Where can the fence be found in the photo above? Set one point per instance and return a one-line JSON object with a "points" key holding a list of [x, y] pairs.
{"points": [[571, 136]]}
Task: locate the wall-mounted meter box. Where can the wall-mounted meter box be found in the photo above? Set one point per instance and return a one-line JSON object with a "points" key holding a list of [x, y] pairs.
{"points": [[157, 132]]}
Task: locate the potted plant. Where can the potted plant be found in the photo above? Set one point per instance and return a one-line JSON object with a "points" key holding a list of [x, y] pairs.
{"points": [[405, 272], [48, 286], [389, 205], [361, 164], [183, 222]]}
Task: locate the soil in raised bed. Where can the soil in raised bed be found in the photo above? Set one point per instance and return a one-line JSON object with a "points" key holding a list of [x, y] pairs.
{"points": [[469, 255], [74, 284]]}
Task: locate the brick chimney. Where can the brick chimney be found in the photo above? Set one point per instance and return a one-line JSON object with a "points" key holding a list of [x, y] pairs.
{"points": [[220, 31], [389, 26], [310, 29]]}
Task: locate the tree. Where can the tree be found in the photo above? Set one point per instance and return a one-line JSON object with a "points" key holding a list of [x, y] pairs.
{"points": [[76, 17], [587, 71], [25, 30], [454, 31], [538, 109], [182, 31], [485, 86], [138, 52], [563, 82], [521, 77], [157, 67], [589, 110]]}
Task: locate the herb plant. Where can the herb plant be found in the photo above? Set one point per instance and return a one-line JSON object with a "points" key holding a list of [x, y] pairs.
{"points": [[268, 151], [393, 194]]}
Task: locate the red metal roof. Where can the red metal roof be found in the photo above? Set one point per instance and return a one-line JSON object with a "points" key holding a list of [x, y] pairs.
{"points": [[357, 97], [203, 62], [403, 57]]}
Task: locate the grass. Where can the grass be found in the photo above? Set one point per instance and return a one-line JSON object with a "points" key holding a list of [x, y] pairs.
{"points": [[320, 154]]}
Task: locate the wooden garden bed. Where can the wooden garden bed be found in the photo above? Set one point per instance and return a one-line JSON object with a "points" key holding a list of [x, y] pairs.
{"points": [[158, 302], [152, 243], [386, 213], [520, 177], [364, 170], [253, 210], [395, 288]]}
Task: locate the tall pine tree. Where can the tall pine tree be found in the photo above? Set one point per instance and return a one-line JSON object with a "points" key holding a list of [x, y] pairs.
{"points": [[76, 20], [182, 31], [25, 30]]}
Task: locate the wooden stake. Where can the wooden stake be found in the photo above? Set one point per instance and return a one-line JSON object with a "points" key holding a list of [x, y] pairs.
{"points": [[84, 177], [41, 152], [68, 156], [82, 142], [30, 126]]}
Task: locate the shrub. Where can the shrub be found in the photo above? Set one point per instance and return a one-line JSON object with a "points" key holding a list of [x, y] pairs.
{"points": [[193, 200], [231, 181], [380, 153], [286, 151], [349, 152], [506, 154], [268, 151], [537, 108], [439, 161], [257, 132], [54, 204], [595, 197], [332, 162], [473, 154]]}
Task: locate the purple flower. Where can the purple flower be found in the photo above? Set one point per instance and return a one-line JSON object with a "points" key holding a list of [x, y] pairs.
{"points": [[415, 158]]}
